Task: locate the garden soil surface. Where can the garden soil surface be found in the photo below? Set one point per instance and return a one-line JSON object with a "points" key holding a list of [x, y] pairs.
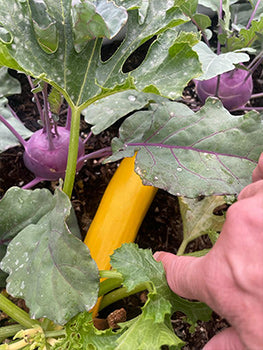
{"points": [[160, 230]]}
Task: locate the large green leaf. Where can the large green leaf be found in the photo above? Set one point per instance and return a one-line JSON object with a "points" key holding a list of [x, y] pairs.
{"points": [[192, 154], [82, 76], [214, 4], [48, 266]]}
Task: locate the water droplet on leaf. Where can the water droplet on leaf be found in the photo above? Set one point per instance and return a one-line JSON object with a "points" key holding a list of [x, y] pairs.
{"points": [[132, 98]]}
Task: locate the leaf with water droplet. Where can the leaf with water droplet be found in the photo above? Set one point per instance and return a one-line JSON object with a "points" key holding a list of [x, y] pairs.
{"points": [[44, 46], [191, 154], [45, 257], [107, 111]]}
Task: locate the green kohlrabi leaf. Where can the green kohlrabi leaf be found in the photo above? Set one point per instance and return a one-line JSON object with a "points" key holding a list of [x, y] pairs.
{"points": [[8, 85], [241, 12], [214, 4], [7, 139], [214, 64], [137, 266], [81, 76], [191, 154], [107, 111], [81, 334], [102, 21], [246, 37], [198, 218], [48, 266], [202, 21], [55, 100]]}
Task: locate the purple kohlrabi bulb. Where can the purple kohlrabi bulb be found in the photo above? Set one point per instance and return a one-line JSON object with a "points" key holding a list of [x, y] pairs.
{"points": [[234, 89]]}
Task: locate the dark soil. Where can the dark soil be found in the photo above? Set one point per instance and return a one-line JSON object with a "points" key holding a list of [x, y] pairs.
{"points": [[161, 228]]}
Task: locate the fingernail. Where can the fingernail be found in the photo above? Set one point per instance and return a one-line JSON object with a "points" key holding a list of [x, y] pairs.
{"points": [[156, 255]]}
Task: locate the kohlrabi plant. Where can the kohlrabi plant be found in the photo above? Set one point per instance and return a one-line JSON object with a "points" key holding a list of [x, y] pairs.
{"points": [[232, 85], [58, 46]]}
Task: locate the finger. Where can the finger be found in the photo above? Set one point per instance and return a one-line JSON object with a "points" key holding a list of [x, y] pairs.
{"points": [[251, 190], [228, 339], [184, 275], [258, 171]]}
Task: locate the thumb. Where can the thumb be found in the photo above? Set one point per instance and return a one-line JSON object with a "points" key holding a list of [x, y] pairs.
{"points": [[184, 274], [227, 340]]}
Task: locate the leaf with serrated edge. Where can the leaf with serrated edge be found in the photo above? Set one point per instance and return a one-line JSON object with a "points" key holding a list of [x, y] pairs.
{"points": [[82, 334], [246, 37], [137, 266], [139, 336], [48, 266], [192, 154], [82, 76], [198, 218]]}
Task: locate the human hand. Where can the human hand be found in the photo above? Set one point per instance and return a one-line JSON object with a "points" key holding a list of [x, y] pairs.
{"points": [[230, 277], [258, 171]]}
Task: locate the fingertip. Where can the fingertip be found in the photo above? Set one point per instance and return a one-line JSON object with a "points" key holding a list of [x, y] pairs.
{"points": [[162, 256], [183, 273]]}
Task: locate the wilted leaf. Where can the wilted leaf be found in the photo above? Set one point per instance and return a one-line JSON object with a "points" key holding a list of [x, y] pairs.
{"points": [[48, 266], [192, 154], [198, 218]]}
